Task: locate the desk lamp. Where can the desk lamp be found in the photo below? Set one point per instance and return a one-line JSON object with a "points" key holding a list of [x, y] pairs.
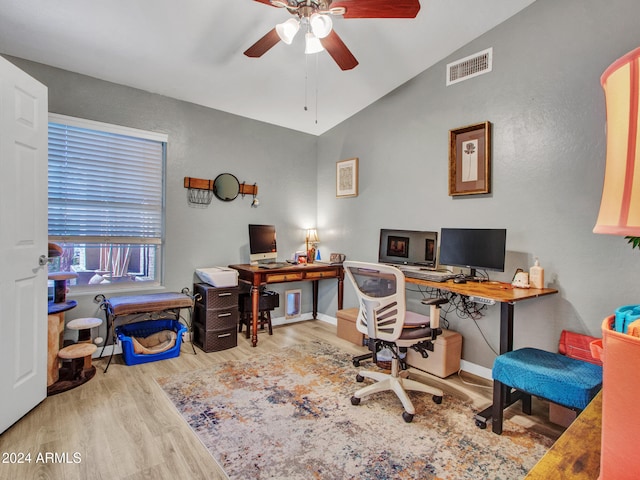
{"points": [[312, 242], [620, 206]]}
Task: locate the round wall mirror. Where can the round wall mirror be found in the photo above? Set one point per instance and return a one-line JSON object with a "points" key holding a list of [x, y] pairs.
{"points": [[226, 187]]}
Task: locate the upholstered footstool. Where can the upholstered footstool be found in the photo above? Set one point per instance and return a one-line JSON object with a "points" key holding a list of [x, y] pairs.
{"points": [[566, 381]]}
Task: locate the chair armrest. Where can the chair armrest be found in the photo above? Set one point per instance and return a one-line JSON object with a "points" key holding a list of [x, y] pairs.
{"points": [[434, 314], [435, 301]]}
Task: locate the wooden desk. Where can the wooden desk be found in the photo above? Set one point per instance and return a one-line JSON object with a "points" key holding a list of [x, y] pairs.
{"points": [[313, 272], [502, 293], [576, 454]]}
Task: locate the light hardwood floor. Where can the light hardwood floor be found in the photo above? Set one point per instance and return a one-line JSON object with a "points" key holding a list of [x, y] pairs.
{"points": [[123, 427]]}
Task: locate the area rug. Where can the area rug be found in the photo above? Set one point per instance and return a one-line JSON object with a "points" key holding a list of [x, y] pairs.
{"points": [[288, 416]]}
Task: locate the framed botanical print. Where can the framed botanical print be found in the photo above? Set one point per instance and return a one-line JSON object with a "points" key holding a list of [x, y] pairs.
{"points": [[347, 178], [470, 159]]}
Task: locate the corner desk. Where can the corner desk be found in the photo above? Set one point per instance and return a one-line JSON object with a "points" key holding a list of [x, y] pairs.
{"points": [[314, 272], [500, 292]]}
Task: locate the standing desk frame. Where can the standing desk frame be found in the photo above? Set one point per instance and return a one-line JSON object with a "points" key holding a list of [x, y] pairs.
{"points": [[507, 296], [256, 277]]}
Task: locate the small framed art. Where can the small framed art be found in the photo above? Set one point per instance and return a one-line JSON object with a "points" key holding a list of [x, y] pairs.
{"points": [[470, 159], [347, 178]]}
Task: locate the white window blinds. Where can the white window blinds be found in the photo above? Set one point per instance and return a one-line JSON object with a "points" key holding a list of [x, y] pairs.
{"points": [[105, 182]]}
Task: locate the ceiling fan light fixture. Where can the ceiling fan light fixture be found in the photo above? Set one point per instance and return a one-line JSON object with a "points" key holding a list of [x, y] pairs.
{"points": [[321, 24], [287, 30], [312, 44]]}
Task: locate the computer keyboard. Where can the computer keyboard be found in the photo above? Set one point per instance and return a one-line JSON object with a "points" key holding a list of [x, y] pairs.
{"points": [[273, 265], [430, 275]]}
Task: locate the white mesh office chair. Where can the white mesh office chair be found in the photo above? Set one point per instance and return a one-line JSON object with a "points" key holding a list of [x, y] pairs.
{"points": [[387, 323]]}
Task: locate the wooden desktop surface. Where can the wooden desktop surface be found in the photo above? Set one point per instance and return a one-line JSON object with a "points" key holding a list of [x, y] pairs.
{"points": [[576, 454], [314, 272], [498, 291]]}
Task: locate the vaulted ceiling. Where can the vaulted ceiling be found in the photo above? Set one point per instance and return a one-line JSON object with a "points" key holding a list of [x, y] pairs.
{"points": [[192, 50]]}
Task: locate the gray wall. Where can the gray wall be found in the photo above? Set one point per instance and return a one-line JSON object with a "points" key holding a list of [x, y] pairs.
{"points": [[203, 143], [547, 109], [546, 105]]}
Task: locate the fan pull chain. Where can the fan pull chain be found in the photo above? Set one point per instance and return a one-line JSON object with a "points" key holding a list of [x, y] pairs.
{"points": [[317, 83], [306, 80]]}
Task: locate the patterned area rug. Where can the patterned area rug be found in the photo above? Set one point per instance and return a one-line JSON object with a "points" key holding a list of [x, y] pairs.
{"points": [[289, 416]]}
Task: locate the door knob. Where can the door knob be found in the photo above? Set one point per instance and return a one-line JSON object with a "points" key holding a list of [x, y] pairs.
{"points": [[43, 260]]}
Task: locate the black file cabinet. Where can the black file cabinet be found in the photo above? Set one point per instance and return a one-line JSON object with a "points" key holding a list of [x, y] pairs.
{"points": [[215, 317]]}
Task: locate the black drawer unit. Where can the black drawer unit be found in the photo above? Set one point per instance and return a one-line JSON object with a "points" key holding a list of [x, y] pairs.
{"points": [[215, 317], [215, 340]]}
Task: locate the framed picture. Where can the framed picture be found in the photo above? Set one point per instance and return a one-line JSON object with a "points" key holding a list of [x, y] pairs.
{"points": [[347, 178], [470, 159]]}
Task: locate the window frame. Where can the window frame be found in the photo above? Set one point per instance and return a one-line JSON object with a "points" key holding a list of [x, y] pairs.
{"points": [[157, 242]]}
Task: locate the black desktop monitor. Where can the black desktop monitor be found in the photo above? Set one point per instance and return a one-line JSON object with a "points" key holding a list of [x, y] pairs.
{"points": [[474, 248], [408, 247], [262, 243]]}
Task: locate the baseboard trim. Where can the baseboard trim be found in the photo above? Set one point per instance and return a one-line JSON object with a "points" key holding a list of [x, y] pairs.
{"points": [[477, 370], [466, 366]]}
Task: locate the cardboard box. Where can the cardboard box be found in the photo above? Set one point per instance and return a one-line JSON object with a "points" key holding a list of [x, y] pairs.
{"points": [[445, 358], [347, 326], [560, 415]]}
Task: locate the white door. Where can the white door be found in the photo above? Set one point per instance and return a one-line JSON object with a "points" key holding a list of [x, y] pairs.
{"points": [[23, 240]]}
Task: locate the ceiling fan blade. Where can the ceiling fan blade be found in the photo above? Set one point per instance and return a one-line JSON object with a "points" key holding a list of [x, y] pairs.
{"points": [[378, 8], [263, 45], [339, 51], [266, 2]]}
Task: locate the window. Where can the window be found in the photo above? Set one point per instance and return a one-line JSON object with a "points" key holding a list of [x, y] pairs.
{"points": [[106, 209]]}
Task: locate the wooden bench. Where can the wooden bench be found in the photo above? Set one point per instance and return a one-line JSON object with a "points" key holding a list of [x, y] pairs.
{"points": [[151, 306], [529, 371]]}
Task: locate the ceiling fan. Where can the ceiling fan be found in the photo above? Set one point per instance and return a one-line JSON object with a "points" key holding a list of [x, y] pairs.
{"points": [[315, 15]]}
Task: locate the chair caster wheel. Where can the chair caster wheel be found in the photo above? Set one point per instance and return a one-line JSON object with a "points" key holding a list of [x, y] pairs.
{"points": [[359, 378], [356, 363], [407, 417], [481, 425], [355, 401], [437, 399]]}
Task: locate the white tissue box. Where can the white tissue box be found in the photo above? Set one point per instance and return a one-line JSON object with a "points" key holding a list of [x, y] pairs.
{"points": [[218, 276]]}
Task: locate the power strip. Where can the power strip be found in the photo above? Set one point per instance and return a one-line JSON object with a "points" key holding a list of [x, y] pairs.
{"points": [[484, 301]]}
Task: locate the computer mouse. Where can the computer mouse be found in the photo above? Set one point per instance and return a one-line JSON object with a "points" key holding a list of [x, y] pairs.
{"points": [[459, 280]]}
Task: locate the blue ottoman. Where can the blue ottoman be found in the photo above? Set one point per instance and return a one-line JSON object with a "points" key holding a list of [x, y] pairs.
{"points": [[566, 381]]}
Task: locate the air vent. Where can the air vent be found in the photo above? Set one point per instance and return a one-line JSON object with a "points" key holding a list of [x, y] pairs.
{"points": [[470, 66]]}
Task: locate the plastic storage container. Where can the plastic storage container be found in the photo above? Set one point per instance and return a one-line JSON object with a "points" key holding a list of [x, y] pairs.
{"points": [[620, 355], [144, 329]]}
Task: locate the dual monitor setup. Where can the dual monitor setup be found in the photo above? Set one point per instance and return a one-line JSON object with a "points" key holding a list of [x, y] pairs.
{"points": [[473, 248]]}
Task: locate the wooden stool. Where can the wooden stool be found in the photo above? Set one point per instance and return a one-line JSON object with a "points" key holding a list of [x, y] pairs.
{"points": [[264, 318], [84, 326], [268, 301]]}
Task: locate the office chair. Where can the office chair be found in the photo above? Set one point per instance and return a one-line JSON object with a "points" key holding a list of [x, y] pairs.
{"points": [[384, 318]]}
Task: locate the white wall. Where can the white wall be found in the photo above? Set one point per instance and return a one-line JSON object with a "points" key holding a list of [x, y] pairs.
{"points": [[546, 105]]}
